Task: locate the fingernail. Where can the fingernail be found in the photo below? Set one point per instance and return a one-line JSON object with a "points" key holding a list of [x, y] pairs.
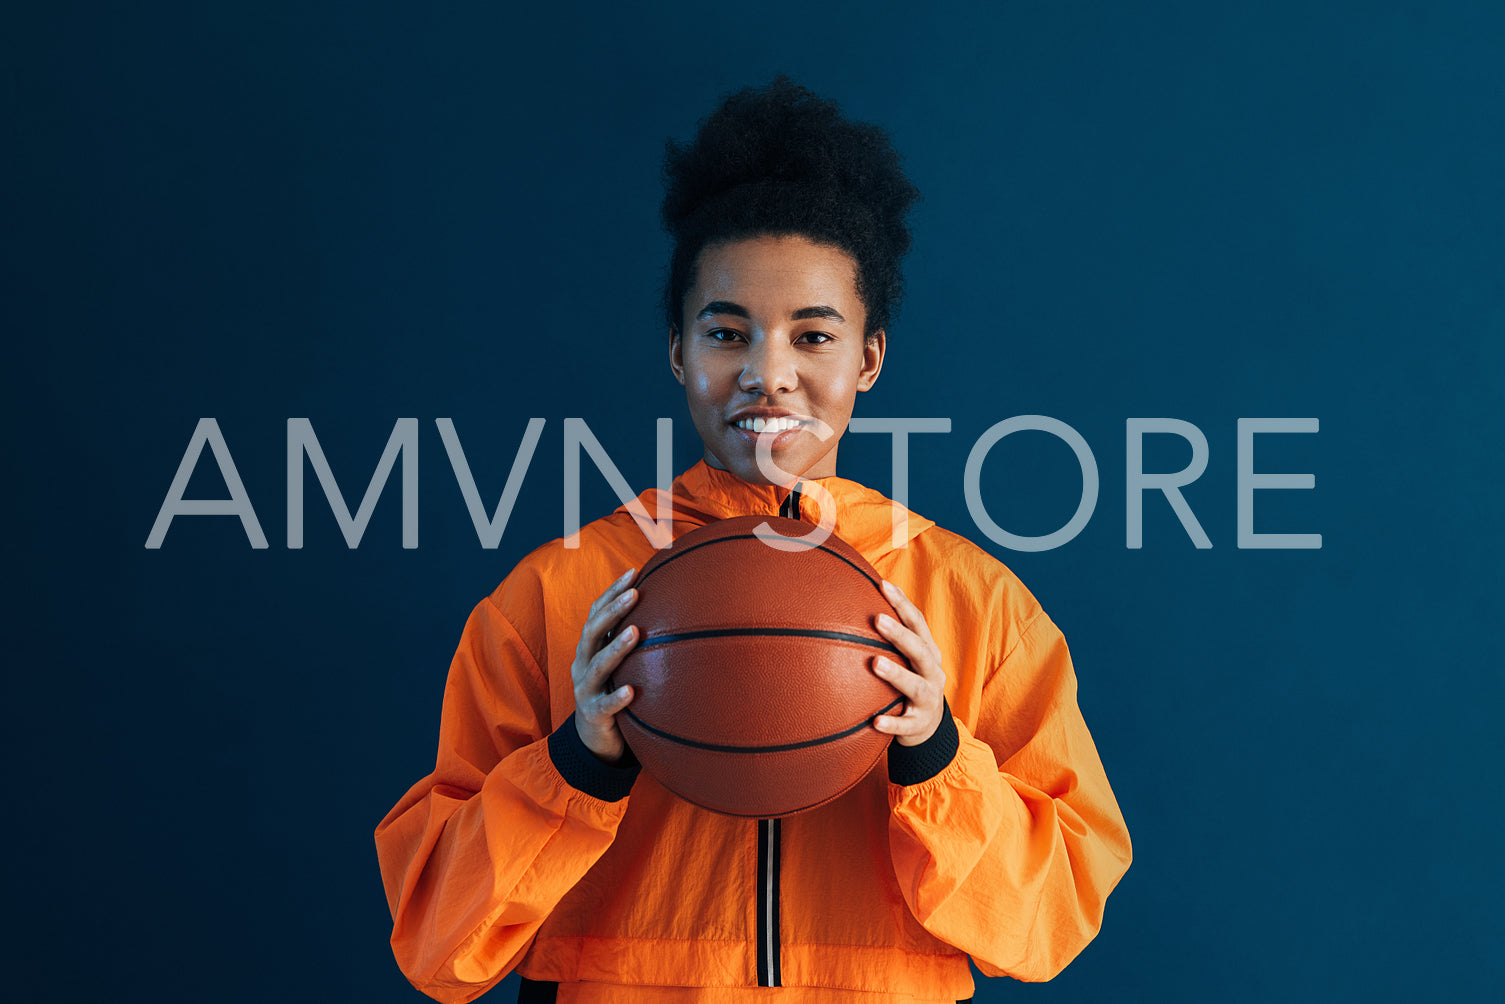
{"points": [[891, 587], [626, 575], [885, 621]]}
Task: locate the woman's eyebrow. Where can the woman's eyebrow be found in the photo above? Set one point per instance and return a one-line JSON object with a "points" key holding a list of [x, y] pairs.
{"points": [[727, 307], [722, 307]]}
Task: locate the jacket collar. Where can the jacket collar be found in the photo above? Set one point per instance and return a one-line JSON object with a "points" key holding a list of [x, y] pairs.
{"points": [[864, 518]]}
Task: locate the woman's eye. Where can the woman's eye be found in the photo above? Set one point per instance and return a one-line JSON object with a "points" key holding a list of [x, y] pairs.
{"points": [[724, 334], [815, 337]]}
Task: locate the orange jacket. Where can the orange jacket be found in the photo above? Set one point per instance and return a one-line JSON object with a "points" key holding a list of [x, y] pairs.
{"points": [[495, 861]]}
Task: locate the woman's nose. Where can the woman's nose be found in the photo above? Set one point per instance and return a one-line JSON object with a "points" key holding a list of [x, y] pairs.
{"points": [[769, 368]]}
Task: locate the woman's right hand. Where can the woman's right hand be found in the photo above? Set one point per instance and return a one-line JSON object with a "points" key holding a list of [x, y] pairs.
{"points": [[595, 707]]}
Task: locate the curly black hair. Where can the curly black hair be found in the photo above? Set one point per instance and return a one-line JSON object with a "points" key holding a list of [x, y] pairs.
{"points": [[780, 161]]}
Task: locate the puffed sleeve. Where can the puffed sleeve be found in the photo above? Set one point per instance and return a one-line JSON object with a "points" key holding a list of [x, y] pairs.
{"points": [[476, 855], [1009, 852]]}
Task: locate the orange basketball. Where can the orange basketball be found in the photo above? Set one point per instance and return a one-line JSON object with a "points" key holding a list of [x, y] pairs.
{"points": [[754, 690]]}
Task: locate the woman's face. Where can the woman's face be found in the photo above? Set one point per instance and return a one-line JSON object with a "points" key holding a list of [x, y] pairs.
{"points": [[773, 338]]}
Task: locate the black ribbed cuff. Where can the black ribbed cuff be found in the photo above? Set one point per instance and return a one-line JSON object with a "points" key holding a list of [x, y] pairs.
{"points": [[586, 772], [913, 764]]}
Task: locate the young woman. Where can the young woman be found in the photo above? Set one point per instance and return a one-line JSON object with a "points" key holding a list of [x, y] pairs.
{"points": [[991, 832]]}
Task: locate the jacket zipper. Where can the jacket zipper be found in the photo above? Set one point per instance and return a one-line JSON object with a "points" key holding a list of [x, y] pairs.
{"points": [[790, 509], [769, 849], [768, 903]]}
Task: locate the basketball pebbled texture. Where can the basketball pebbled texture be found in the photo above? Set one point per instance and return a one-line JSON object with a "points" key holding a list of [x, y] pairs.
{"points": [[754, 689]]}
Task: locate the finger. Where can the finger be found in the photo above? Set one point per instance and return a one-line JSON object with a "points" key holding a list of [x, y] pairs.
{"points": [[898, 725], [905, 681], [620, 584], [612, 590], [919, 648], [907, 611], [600, 623], [909, 644], [605, 662], [590, 636], [613, 701], [586, 670]]}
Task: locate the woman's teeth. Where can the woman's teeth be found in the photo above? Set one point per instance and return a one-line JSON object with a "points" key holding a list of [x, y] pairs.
{"points": [[769, 424]]}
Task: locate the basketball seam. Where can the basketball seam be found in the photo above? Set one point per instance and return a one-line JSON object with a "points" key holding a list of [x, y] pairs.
{"points": [[765, 632], [752, 536], [779, 748]]}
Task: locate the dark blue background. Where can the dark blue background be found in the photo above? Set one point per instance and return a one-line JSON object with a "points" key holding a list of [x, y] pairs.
{"points": [[355, 212]]}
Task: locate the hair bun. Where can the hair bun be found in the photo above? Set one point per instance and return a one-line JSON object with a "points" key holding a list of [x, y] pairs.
{"points": [[780, 159]]}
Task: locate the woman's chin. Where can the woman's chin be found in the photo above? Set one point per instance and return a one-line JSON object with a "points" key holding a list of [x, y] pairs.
{"points": [[788, 467]]}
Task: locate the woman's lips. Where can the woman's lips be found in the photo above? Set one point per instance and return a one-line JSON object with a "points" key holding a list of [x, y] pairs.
{"points": [[783, 430], [770, 423]]}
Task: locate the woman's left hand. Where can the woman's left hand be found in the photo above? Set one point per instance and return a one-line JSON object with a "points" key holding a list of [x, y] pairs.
{"points": [[923, 685]]}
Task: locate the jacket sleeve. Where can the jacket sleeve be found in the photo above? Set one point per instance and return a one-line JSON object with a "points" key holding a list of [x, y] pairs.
{"points": [[476, 855], [1010, 851]]}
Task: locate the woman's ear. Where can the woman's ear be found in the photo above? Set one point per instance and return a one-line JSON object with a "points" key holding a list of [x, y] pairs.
{"points": [[872, 360], [677, 355]]}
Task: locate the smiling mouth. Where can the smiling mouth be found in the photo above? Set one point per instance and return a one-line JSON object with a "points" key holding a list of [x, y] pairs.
{"points": [[770, 424]]}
